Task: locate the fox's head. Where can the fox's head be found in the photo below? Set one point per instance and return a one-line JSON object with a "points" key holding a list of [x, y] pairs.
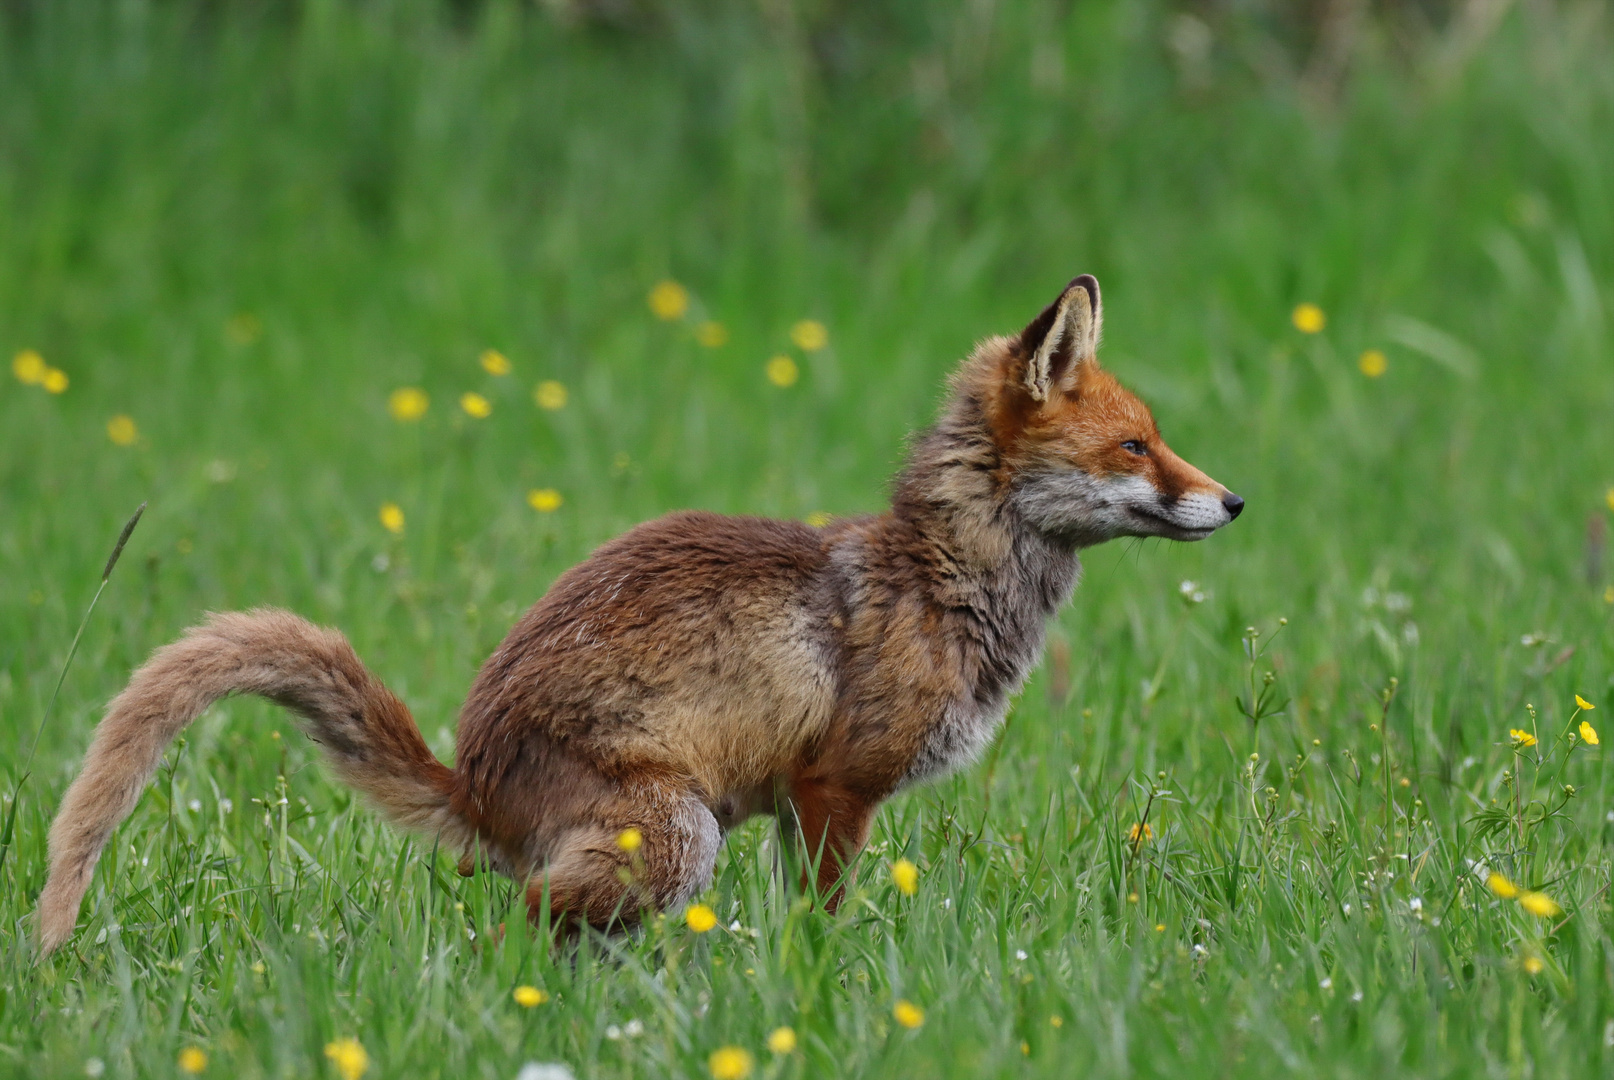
{"points": [[1086, 461]]}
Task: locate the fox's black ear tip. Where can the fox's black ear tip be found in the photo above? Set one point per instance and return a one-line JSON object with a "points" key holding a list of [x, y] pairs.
{"points": [[1088, 282]]}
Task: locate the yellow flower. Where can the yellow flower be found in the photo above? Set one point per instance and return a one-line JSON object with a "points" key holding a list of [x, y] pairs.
{"points": [[669, 300], [1501, 886], [818, 519], [550, 395], [1160, 928], [809, 335], [29, 367], [1056, 1021], [629, 839], [529, 997], [544, 500], [905, 876], [349, 1058], [1582, 703], [730, 1063], [908, 1014], [1140, 832], [1540, 905], [782, 371], [1588, 734], [192, 1059], [700, 918], [121, 430], [55, 380], [476, 405], [1521, 737], [392, 518], [1309, 318], [407, 403], [713, 335], [1372, 363], [781, 1040], [1533, 965], [494, 362], [243, 328]]}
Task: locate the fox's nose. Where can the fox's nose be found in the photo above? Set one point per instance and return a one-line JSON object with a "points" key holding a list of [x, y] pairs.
{"points": [[1233, 503]]}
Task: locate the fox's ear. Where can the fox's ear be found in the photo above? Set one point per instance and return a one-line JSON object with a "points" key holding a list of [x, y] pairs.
{"points": [[1063, 337]]}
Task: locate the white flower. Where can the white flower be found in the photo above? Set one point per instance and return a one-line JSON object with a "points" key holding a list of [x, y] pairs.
{"points": [[94, 1067], [735, 926], [1019, 954], [1357, 996], [1200, 950], [549, 1070], [226, 805], [613, 1033], [633, 1028], [1326, 984], [947, 903], [1346, 909]]}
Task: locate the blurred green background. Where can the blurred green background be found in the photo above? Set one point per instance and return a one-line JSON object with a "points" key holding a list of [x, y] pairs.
{"points": [[239, 227]]}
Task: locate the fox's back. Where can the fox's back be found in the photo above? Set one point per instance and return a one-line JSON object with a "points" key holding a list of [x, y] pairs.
{"points": [[697, 642]]}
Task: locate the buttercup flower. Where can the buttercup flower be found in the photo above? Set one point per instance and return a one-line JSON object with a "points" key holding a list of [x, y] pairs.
{"points": [[29, 367], [1532, 965], [1582, 704], [730, 1063], [1140, 832], [550, 395], [809, 335], [529, 997], [700, 918], [121, 430], [1540, 905], [544, 500], [669, 300], [1308, 318], [908, 1014], [392, 518], [1588, 734], [781, 1040], [407, 403], [782, 371], [905, 876], [1521, 737], [711, 334], [1501, 886], [1372, 363], [243, 328], [475, 405], [192, 1060], [629, 839], [54, 380], [494, 362], [349, 1058]]}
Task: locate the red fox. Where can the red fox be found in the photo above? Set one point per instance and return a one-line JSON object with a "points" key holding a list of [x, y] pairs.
{"points": [[702, 669]]}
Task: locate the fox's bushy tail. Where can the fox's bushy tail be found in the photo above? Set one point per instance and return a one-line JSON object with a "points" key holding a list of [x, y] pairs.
{"points": [[368, 736]]}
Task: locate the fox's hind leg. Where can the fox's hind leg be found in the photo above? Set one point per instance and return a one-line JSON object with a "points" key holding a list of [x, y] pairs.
{"points": [[591, 878]]}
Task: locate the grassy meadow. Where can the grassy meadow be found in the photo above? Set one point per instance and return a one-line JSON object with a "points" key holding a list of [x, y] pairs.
{"points": [[235, 230]]}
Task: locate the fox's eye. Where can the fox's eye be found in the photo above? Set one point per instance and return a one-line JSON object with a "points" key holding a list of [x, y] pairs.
{"points": [[1135, 447]]}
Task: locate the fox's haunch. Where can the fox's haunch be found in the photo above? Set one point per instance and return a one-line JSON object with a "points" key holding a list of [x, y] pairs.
{"points": [[367, 734]]}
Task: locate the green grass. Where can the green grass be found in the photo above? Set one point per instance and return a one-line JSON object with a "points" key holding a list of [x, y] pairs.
{"points": [[388, 190]]}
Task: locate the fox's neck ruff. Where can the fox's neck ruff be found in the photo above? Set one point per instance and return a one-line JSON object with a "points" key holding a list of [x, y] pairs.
{"points": [[988, 564]]}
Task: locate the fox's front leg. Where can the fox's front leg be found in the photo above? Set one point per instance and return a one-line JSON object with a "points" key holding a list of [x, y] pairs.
{"points": [[831, 821]]}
